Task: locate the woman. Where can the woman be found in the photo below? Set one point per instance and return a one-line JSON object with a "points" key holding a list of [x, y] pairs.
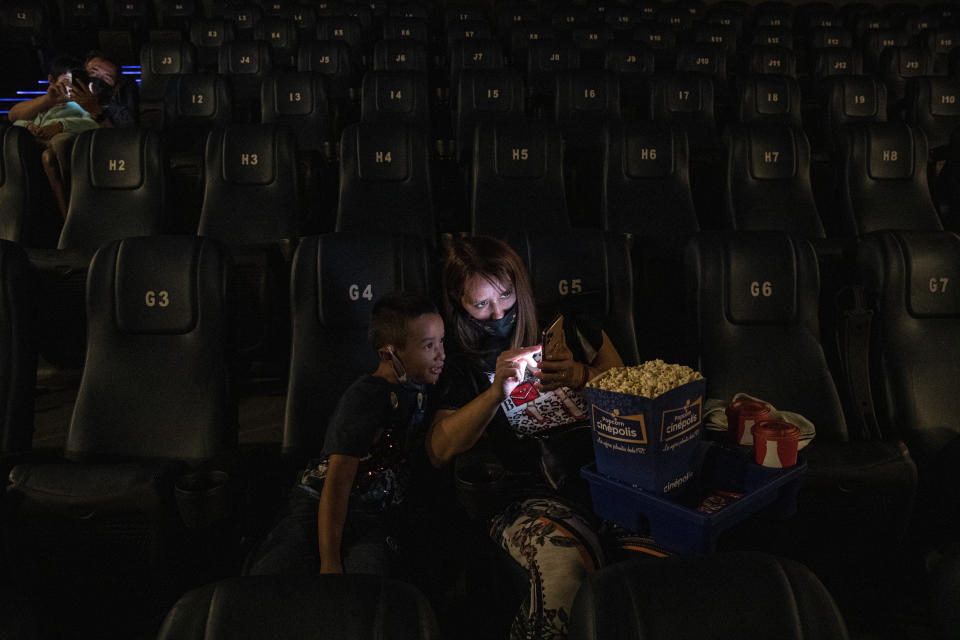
{"points": [[545, 526]]}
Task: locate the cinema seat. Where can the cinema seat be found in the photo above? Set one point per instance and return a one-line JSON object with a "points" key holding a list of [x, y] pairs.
{"points": [[907, 277], [336, 278], [26, 214], [653, 600], [18, 371], [755, 297], [155, 401], [338, 607], [159, 61], [385, 181]]}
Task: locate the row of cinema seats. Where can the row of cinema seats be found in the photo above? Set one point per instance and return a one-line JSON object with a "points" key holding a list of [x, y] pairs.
{"points": [[156, 411]]}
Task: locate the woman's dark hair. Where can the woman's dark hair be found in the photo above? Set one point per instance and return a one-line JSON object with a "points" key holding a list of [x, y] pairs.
{"points": [[390, 316], [495, 261]]}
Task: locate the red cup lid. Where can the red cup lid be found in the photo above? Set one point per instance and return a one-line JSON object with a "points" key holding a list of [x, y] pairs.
{"points": [[750, 407], [776, 430]]}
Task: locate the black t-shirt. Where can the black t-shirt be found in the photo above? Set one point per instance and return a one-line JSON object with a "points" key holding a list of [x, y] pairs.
{"points": [[382, 424]]}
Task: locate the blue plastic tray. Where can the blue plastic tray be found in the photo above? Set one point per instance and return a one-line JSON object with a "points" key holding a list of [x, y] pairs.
{"points": [[675, 522]]}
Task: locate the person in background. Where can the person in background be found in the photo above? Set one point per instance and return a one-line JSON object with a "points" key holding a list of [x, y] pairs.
{"points": [[102, 97], [348, 510], [546, 525], [55, 119]]}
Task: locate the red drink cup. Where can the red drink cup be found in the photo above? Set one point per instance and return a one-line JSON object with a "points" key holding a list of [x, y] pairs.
{"points": [[742, 415], [775, 443]]}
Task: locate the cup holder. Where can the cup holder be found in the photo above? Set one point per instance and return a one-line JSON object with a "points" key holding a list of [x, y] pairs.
{"points": [[203, 498]]}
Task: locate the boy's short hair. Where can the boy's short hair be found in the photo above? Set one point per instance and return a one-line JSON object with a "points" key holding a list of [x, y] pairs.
{"points": [[392, 313], [62, 64]]}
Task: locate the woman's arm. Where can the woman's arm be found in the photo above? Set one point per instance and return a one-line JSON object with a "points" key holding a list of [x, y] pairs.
{"points": [[454, 431], [332, 512]]}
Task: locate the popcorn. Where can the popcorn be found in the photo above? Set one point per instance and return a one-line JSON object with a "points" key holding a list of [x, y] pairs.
{"points": [[649, 379]]}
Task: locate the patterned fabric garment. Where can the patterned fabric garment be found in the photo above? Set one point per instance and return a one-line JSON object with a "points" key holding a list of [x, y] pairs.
{"points": [[558, 548]]}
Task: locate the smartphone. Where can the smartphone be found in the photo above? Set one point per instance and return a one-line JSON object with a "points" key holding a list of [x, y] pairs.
{"points": [[552, 337]]}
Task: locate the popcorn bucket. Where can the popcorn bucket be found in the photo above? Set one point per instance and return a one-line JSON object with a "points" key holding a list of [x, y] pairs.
{"points": [[650, 443]]}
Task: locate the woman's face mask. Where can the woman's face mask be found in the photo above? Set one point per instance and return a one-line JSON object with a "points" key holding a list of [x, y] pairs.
{"points": [[500, 327]]}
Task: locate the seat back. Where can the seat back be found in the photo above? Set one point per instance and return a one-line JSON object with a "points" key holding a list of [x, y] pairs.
{"points": [[914, 356], [544, 59], [884, 179], [23, 217], [159, 61], [648, 599], [687, 99], [18, 328], [898, 65], [771, 99], [157, 320], [333, 59], [400, 55], [584, 102], [251, 195], [385, 180], [763, 60], [118, 188], [485, 96], [768, 179], [283, 38], [849, 100], [299, 100], [517, 177], [585, 271], [400, 97], [246, 63], [474, 53], [933, 107], [336, 279], [274, 607], [755, 294], [208, 35], [194, 104], [646, 186]]}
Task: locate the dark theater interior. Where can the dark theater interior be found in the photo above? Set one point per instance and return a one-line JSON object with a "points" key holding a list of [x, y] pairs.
{"points": [[196, 225]]}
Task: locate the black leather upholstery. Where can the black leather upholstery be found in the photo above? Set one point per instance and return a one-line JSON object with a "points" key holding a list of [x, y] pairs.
{"points": [[159, 61], [587, 271], [23, 216], [385, 180], [196, 102], [244, 16], [909, 276], [472, 54], [770, 98], [18, 349], [544, 59], [283, 37], [406, 28], [898, 64], [396, 97], [118, 188], [884, 179], [157, 319], [328, 607], [485, 96], [400, 55], [878, 40], [726, 595], [633, 63], [933, 107], [208, 35], [300, 100], [837, 61], [245, 64], [687, 99], [346, 29], [756, 311], [333, 59], [646, 189], [851, 99], [517, 177], [584, 102], [768, 179], [771, 60], [251, 194], [335, 281]]}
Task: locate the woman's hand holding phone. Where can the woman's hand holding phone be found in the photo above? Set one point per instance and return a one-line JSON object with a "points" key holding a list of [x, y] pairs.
{"points": [[511, 367]]}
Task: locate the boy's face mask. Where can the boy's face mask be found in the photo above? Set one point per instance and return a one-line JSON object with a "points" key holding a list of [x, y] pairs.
{"points": [[501, 327], [401, 372]]}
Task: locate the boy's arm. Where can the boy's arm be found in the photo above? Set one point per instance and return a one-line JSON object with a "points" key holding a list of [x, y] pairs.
{"points": [[29, 109], [332, 512]]}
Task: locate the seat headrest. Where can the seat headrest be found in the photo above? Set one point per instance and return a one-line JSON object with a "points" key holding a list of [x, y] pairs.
{"points": [[394, 91], [245, 58], [628, 57], [166, 58], [860, 99], [684, 94], [382, 152], [648, 150], [197, 95], [890, 151], [293, 94], [494, 91], [324, 56], [155, 287], [578, 282], [944, 96], [933, 269], [520, 150], [248, 153], [773, 153], [772, 95], [116, 158], [761, 278], [352, 274], [212, 33]]}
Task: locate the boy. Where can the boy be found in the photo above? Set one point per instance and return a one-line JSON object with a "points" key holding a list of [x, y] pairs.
{"points": [[347, 504]]}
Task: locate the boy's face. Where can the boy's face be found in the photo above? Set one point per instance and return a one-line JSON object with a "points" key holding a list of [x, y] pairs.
{"points": [[422, 355]]}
